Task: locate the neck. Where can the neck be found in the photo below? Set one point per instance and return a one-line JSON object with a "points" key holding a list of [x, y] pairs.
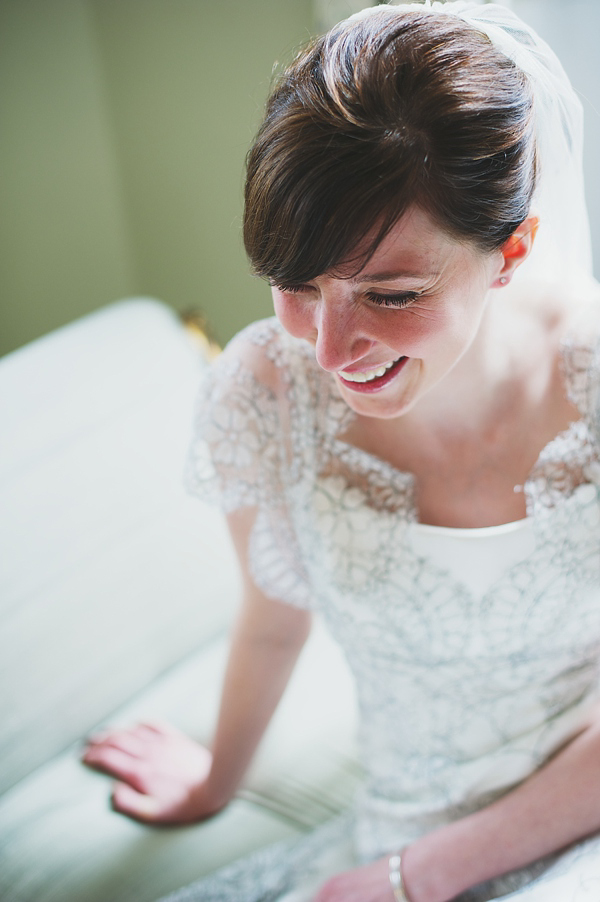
{"points": [[510, 361]]}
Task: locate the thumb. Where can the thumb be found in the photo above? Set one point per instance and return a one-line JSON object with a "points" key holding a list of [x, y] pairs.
{"points": [[135, 804]]}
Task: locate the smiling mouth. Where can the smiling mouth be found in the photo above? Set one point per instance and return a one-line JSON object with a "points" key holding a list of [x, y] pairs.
{"points": [[372, 380]]}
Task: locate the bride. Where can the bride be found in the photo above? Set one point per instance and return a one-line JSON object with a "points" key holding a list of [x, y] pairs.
{"points": [[412, 447]]}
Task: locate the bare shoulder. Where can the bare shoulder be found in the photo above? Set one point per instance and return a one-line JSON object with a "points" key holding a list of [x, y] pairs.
{"points": [[562, 312], [583, 322]]}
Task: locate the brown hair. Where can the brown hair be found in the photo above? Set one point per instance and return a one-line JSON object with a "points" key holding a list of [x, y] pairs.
{"points": [[386, 111]]}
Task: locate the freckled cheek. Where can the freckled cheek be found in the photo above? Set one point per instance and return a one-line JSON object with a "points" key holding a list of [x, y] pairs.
{"points": [[412, 333], [293, 316]]}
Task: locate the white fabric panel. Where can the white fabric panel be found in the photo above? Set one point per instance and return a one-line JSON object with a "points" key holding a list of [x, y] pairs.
{"points": [[477, 557]]}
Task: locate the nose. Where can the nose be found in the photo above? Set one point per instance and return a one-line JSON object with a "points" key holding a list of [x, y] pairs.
{"points": [[340, 340]]}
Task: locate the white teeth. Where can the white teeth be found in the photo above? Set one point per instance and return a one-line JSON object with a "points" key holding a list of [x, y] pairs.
{"points": [[368, 375]]}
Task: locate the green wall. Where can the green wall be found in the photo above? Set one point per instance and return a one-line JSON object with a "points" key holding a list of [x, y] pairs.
{"points": [[123, 130]]}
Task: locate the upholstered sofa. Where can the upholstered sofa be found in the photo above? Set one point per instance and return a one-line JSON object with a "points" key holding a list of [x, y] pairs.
{"points": [[117, 591]]}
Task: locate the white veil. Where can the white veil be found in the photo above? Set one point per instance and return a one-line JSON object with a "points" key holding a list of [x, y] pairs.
{"points": [[562, 251]]}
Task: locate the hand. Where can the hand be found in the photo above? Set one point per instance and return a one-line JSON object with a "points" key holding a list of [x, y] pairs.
{"points": [[370, 883], [163, 773]]}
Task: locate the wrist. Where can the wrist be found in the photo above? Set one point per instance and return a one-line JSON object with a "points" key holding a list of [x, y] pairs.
{"points": [[210, 796], [417, 874], [432, 868], [212, 800]]}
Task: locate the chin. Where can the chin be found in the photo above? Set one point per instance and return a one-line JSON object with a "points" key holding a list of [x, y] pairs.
{"points": [[376, 406]]}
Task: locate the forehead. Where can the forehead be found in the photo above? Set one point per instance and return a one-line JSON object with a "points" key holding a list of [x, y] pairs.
{"points": [[414, 244]]}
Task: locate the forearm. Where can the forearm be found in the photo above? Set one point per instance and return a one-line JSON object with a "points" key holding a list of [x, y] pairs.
{"points": [[265, 645], [557, 805], [263, 653]]}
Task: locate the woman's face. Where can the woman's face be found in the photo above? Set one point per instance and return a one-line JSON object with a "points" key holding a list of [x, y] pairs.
{"points": [[391, 332]]}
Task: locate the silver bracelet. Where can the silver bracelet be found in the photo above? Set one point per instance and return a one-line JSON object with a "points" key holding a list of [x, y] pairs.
{"points": [[396, 880]]}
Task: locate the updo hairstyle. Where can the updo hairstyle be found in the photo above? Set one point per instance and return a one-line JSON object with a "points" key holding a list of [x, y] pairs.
{"points": [[387, 110]]}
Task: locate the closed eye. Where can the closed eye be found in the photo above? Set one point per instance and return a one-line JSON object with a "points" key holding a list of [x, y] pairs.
{"points": [[400, 299], [291, 289], [392, 300]]}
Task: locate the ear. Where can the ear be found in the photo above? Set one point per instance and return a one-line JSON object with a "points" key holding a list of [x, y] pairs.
{"points": [[516, 249]]}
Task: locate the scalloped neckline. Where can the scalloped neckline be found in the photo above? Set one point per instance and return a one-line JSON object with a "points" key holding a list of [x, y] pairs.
{"points": [[402, 476]]}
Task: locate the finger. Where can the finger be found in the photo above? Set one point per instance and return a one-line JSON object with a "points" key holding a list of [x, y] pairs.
{"points": [[135, 804], [144, 728], [129, 742], [158, 728], [118, 764], [110, 737], [96, 738]]}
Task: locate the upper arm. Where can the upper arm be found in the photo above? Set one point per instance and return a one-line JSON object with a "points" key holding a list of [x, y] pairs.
{"points": [[272, 619]]}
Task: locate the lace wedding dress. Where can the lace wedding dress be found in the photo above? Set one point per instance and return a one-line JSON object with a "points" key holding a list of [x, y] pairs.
{"points": [[476, 653]]}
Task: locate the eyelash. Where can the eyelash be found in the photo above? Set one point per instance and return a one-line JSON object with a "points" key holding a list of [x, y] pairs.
{"points": [[382, 300], [392, 300]]}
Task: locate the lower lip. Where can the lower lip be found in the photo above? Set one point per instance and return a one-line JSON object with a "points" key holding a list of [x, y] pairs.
{"points": [[375, 385]]}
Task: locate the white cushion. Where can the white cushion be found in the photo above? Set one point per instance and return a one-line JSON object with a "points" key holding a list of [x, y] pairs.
{"points": [[109, 571], [60, 840], [116, 591]]}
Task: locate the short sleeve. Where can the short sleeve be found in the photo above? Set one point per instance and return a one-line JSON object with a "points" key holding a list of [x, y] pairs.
{"points": [[594, 392], [581, 360], [239, 458], [234, 451]]}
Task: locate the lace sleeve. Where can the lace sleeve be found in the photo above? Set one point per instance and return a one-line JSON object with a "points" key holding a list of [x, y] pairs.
{"points": [[234, 448], [581, 360], [594, 391], [240, 458]]}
